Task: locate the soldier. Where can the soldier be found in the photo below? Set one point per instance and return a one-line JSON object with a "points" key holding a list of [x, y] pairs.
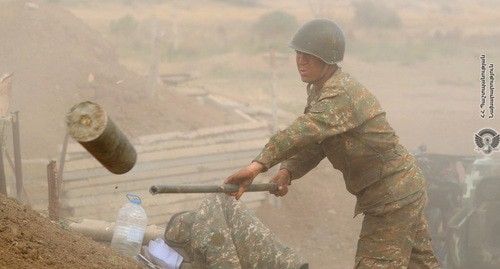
{"points": [[222, 233], [345, 123]]}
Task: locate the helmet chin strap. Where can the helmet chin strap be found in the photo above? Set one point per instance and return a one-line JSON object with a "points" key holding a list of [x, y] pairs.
{"points": [[323, 72]]}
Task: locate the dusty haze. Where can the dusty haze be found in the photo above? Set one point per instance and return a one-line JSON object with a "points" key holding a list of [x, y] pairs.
{"points": [[420, 58]]}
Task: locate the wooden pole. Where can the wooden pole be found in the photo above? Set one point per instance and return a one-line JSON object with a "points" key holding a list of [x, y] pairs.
{"points": [[17, 157], [5, 92], [102, 231], [88, 124], [53, 183], [155, 59], [3, 180], [62, 161]]}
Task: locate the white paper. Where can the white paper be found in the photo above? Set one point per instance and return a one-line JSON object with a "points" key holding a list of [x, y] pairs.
{"points": [[163, 255]]}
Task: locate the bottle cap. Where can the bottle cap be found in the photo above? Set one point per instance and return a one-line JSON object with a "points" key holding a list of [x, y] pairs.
{"points": [[134, 198]]}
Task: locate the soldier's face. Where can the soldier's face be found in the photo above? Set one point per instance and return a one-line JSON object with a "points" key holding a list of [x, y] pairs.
{"points": [[309, 66]]}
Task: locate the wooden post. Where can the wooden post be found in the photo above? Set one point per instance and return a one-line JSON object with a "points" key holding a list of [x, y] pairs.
{"points": [[5, 90], [54, 190], [62, 161], [3, 180], [17, 157], [155, 59], [88, 124], [102, 231]]}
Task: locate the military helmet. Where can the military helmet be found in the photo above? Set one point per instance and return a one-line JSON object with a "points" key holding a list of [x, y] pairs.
{"points": [[322, 38]]}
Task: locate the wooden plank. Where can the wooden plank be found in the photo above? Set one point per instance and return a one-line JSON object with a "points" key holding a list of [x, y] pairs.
{"points": [[163, 218], [204, 150], [165, 170], [111, 209], [213, 176], [146, 167], [175, 154], [75, 150], [5, 93], [151, 139], [155, 170], [93, 201], [160, 211], [73, 196], [205, 156], [220, 139]]}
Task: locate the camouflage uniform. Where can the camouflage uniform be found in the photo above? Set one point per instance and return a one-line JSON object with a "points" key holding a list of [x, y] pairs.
{"points": [[222, 234], [345, 123]]}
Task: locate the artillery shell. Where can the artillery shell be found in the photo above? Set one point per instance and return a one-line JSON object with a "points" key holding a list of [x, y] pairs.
{"points": [[88, 123]]}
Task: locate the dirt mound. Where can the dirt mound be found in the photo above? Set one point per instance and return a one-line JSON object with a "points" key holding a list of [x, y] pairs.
{"points": [[30, 240], [58, 61]]}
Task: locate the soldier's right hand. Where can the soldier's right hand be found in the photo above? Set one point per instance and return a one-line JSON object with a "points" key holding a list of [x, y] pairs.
{"points": [[282, 179], [244, 178]]}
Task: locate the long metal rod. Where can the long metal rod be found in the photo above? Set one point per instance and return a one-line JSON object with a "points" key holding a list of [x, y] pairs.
{"points": [[197, 188]]}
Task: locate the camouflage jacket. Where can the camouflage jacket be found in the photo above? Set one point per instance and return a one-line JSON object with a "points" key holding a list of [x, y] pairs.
{"points": [[345, 123]]}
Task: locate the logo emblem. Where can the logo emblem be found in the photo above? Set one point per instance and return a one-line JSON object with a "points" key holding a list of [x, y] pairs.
{"points": [[487, 140]]}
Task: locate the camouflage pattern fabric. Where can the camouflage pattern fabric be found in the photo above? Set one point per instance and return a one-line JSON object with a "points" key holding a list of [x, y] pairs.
{"points": [[178, 234], [221, 233], [345, 123], [396, 236]]}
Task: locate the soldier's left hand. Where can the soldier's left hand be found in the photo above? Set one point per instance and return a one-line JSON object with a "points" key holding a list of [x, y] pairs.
{"points": [[282, 179]]}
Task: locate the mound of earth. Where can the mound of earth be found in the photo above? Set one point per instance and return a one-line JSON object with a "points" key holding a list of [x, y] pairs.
{"points": [[30, 240], [58, 61]]}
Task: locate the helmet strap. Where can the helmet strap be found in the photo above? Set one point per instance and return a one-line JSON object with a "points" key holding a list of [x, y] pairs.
{"points": [[325, 67], [309, 86], [323, 72]]}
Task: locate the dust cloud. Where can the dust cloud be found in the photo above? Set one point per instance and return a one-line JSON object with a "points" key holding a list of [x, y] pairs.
{"points": [[422, 59]]}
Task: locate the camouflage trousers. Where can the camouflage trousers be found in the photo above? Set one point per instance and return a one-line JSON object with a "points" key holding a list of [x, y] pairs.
{"points": [[223, 234], [396, 235]]}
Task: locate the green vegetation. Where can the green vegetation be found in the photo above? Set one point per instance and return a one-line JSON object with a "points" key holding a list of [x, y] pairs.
{"points": [[274, 29], [276, 26], [370, 13], [125, 25], [271, 31]]}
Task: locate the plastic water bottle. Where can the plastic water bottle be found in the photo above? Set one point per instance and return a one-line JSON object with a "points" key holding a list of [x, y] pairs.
{"points": [[130, 227]]}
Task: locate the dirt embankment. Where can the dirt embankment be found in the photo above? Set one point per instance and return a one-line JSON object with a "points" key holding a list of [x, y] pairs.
{"points": [[30, 240]]}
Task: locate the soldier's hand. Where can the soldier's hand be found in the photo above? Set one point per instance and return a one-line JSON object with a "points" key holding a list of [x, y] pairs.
{"points": [[282, 179], [244, 178]]}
